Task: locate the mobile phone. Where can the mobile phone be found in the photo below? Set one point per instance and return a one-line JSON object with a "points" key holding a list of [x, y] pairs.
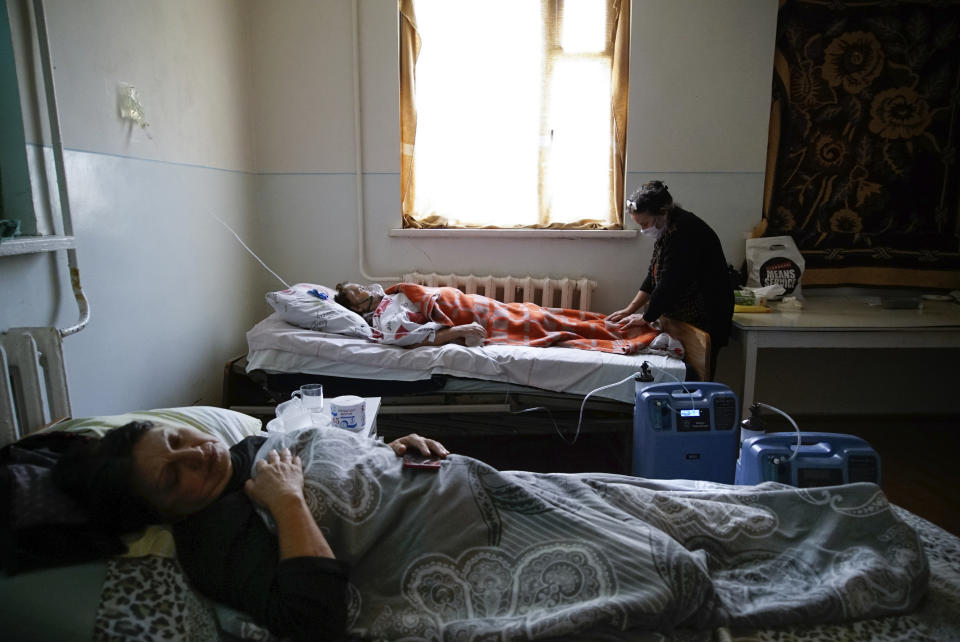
{"points": [[422, 462]]}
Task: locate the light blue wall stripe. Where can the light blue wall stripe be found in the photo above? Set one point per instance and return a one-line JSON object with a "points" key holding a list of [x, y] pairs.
{"points": [[347, 173], [210, 167]]}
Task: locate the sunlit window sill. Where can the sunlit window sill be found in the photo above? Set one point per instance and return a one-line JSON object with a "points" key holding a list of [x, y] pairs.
{"points": [[519, 234]]}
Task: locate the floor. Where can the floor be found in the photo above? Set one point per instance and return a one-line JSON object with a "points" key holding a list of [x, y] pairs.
{"points": [[920, 459], [920, 462]]}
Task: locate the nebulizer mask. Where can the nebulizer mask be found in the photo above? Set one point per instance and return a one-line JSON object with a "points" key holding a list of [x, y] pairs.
{"points": [[374, 294], [373, 290]]}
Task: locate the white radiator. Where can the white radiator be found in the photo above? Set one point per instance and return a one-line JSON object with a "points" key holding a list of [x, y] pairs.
{"points": [[574, 294], [33, 381]]}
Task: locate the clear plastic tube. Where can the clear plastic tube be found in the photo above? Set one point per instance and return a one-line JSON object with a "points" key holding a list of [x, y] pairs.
{"points": [[792, 422], [583, 404]]}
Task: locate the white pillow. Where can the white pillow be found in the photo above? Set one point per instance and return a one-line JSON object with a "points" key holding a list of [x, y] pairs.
{"points": [[298, 307], [229, 425]]}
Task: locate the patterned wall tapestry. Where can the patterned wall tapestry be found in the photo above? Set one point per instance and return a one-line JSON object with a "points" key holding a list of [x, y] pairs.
{"points": [[863, 163]]}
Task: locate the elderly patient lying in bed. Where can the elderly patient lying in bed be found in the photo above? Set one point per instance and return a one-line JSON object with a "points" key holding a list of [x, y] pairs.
{"points": [[321, 531], [408, 314]]}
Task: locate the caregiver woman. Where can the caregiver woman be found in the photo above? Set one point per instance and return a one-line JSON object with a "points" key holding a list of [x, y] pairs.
{"points": [[687, 279]]}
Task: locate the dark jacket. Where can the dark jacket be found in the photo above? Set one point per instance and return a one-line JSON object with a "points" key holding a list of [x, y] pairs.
{"points": [[688, 278]]}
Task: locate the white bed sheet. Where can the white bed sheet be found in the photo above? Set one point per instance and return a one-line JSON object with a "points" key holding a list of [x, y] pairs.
{"points": [[276, 346]]}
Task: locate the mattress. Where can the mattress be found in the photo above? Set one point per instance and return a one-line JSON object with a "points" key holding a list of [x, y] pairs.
{"points": [[278, 347]]}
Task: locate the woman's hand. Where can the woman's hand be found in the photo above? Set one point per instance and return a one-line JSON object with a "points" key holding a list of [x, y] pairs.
{"points": [[278, 487], [634, 321], [639, 301], [426, 447], [279, 478], [613, 317]]}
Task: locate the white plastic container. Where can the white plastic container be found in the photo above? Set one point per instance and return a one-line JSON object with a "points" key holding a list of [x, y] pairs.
{"points": [[348, 412]]}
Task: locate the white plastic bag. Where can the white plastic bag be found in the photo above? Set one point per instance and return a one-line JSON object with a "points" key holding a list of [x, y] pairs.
{"points": [[775, 260]]}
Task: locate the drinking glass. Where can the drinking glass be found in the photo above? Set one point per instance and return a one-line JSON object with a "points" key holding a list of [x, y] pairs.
{"points": [[311, 397]]}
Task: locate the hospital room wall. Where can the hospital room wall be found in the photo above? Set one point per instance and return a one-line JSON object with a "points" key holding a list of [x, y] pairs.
{"points": [[699, 109], [697, 121], [171, 294], [255, 125]]}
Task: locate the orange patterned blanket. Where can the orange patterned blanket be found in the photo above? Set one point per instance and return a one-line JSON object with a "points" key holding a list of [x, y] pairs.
{"points": [[525, 324]]}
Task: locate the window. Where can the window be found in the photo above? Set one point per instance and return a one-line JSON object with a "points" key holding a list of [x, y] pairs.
{"points": [[513, 112]]}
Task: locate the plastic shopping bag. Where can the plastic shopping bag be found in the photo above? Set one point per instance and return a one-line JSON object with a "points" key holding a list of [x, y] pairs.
{"points": [[774, 260]]}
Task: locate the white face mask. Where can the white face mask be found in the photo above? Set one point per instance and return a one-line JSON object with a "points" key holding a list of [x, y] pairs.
{"points": [[374, 294], [652, 232]]}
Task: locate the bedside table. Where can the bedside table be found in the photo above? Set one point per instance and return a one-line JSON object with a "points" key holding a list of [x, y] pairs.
{"points": [[291, 416]]}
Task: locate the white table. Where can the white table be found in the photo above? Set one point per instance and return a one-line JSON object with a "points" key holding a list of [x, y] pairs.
{"points": [[290, 416], [842, 322]]}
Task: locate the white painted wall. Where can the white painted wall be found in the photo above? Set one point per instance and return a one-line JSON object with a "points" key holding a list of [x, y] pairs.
{"points": [[675, 133], [699, 108], [171, 296]]}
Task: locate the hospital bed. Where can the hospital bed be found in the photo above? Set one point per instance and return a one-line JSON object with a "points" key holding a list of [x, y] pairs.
{"points": [[494, 402], [495, 398], [488, 382], [143, 594]]}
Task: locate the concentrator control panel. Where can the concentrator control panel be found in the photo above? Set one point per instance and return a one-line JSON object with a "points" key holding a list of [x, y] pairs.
{"points": [[685, 430]]}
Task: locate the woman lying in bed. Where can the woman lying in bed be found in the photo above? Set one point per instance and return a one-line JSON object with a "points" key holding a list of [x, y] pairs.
{"points": [[407, 314], [319, 531]]}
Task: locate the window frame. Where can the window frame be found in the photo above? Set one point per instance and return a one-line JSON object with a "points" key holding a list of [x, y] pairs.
{"points": [[616, 56]]}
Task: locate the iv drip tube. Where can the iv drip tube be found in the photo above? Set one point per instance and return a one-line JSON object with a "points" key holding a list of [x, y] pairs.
{"points": [[358, 151], [57, 144]]}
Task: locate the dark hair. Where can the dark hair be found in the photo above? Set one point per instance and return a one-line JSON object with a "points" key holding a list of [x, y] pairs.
{"points": [[341, 298], [101, 476], [652, 197]]}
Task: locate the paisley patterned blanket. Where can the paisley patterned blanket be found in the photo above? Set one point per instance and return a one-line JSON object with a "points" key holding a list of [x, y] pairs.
{"points": [[471, 553], [524, 324]]}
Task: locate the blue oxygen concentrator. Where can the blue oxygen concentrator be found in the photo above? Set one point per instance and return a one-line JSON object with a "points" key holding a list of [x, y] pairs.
{"points": [[685, 430], [821, 459]]}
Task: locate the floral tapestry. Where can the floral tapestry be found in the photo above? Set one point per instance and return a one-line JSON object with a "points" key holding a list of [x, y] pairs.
{"points": [[862, 166]]}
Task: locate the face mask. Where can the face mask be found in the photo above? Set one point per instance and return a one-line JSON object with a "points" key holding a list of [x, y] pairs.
{"points": [[652, 232], [374, 294]]}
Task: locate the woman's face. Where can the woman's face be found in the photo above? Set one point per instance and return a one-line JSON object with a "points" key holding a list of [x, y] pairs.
{"points": [[182, 470], [363, 298], [646, 219]]}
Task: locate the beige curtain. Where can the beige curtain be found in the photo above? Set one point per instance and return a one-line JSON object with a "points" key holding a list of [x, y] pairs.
{"points": [[619, 21], [409, 50], [620, 10]]}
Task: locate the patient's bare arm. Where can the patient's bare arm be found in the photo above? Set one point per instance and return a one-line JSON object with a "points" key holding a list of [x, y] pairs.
{"points": [[278, 487], [469, 333]]}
